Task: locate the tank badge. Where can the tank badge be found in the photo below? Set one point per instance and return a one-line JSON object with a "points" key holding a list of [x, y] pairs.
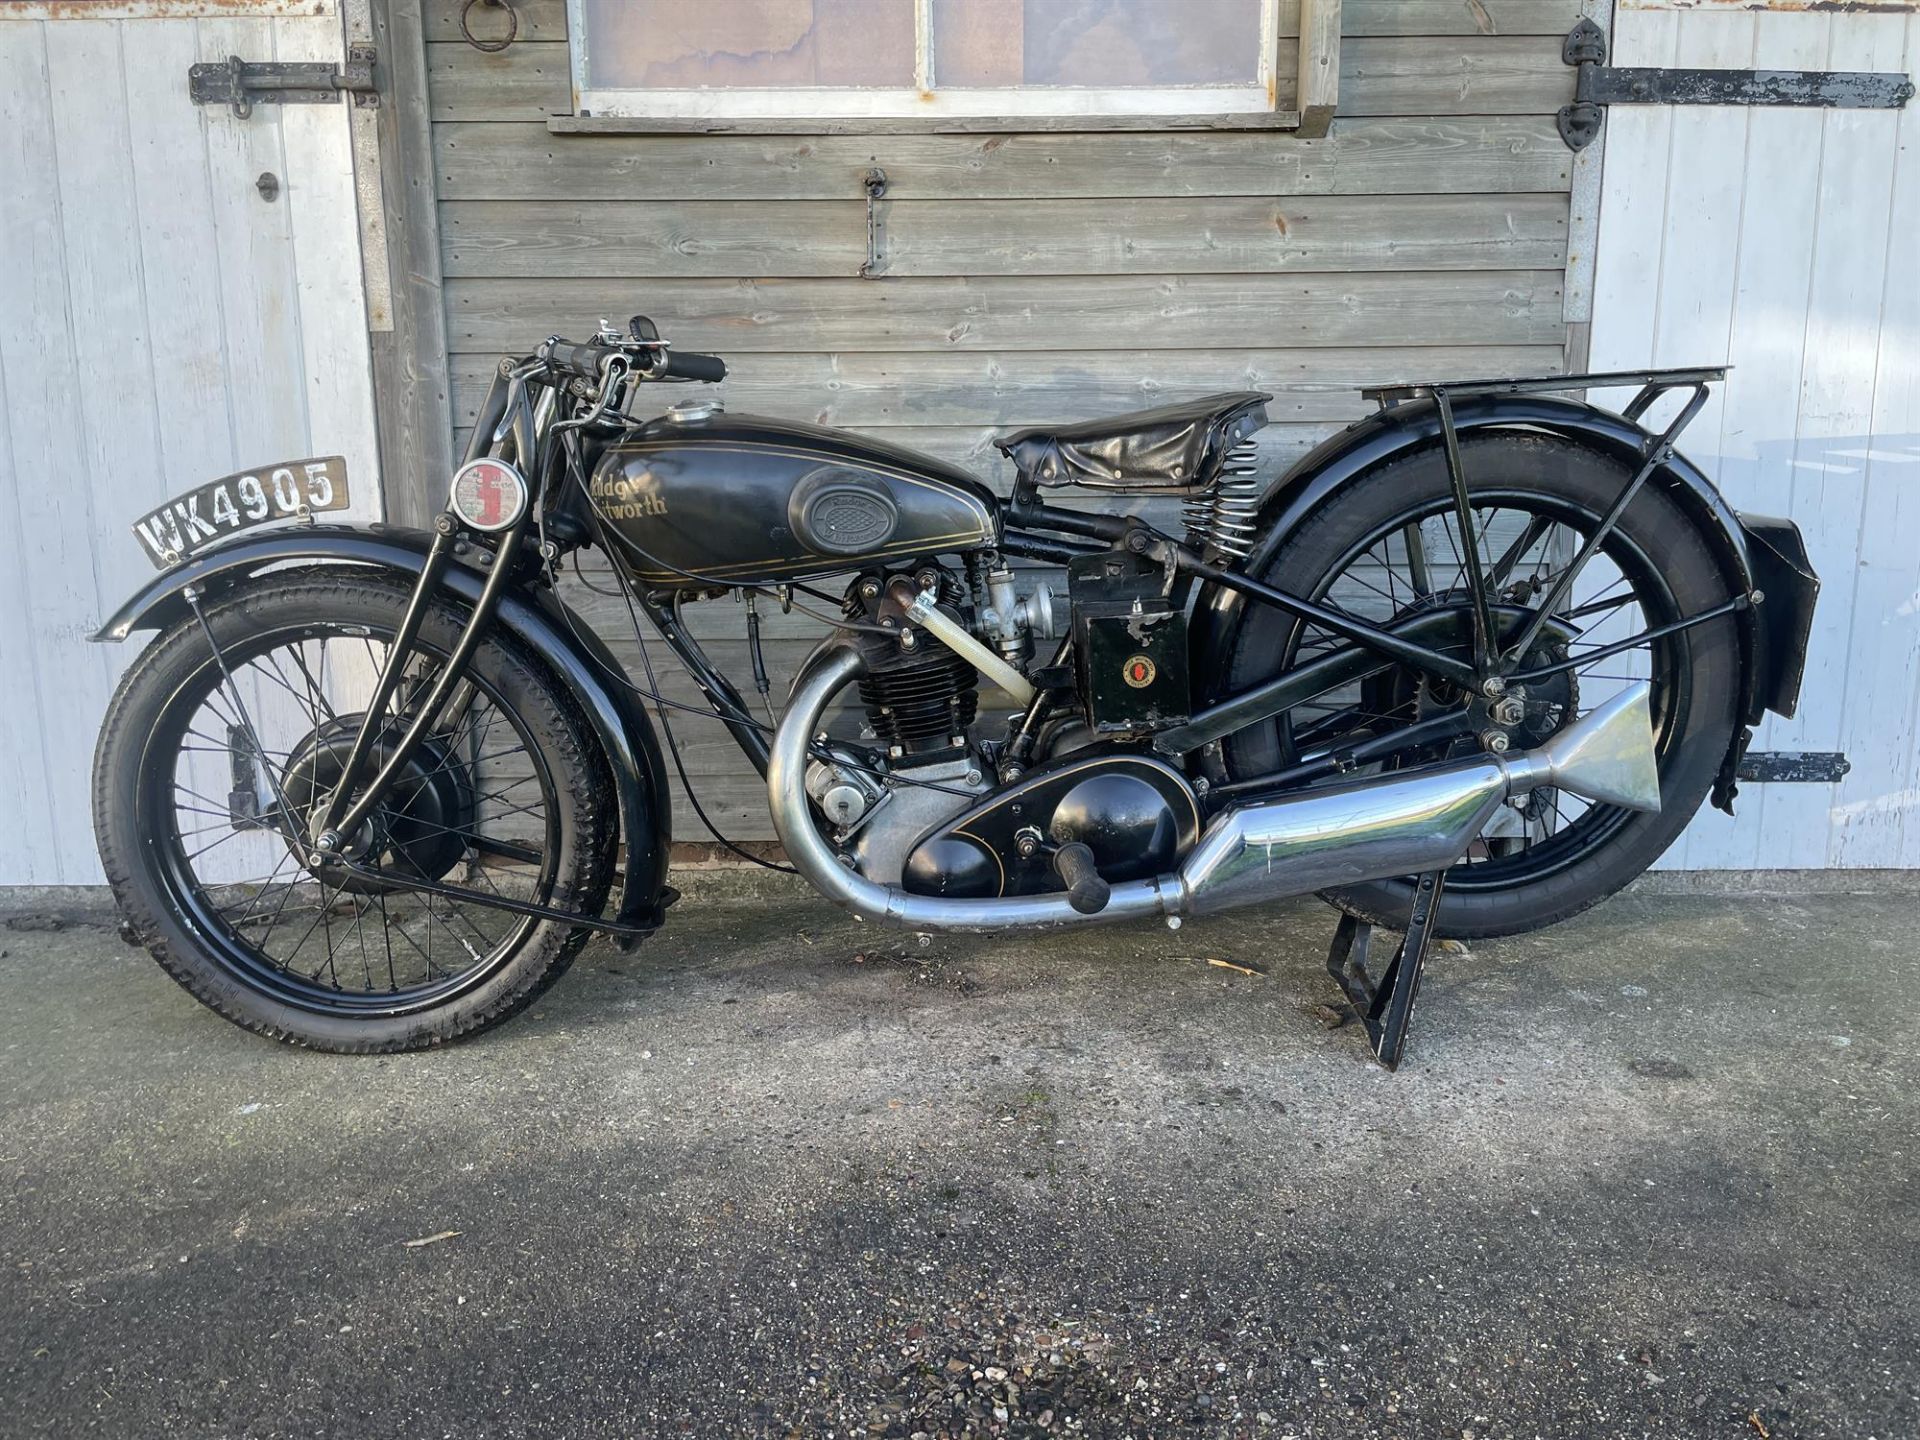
{"points": [[1138, 671], [841, 512], [623, 497]]}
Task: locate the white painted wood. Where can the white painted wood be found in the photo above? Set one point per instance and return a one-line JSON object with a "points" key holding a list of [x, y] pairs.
{"points": [[331, 282], [1773, 266], [160, 323], [1780, 241], [34, 361], [163, 9], [1779, 6], [50, 539], [1875, 804]]}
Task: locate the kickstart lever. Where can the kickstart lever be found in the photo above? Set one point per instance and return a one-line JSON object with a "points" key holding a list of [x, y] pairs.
{"points": [[1073, 863], [1086, 891]]}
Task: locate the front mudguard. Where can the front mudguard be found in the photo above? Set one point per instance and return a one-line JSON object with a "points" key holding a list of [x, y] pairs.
{"points": [[577, 657], [1755, 553]]}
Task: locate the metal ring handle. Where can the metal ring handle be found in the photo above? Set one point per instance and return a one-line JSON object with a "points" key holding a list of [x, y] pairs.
{"points": [[490, 47]]}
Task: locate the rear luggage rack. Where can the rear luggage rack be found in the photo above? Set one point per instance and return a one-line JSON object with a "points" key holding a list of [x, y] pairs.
{"points": [[1653, 384]]}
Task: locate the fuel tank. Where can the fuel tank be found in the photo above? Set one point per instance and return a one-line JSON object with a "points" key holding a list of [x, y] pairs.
{"points": [[699, 494]]}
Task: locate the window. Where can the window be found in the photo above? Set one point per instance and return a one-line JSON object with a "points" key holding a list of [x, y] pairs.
{"points": [[938, 59]]}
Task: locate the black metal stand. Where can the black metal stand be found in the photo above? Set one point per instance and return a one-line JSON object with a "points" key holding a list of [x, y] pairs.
{"points": [[1384, 1006]]}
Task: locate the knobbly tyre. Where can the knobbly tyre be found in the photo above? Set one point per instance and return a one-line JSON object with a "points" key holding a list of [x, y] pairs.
{"points": [[1466, 669]]}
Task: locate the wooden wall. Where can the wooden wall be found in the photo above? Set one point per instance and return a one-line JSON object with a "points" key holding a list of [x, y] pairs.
{"points": [[1031, 277]]}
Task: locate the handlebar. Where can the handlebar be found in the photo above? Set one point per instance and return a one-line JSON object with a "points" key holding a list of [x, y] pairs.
{"points": [[590, 358], [688, 365]]}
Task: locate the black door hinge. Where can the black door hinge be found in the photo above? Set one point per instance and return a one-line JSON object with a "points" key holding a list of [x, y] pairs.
{"points": [[242, 84], [1793, 767], [1599, 85]]}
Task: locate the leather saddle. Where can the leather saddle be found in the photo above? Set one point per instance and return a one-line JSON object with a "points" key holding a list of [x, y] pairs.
{"points": [[1170, 447]]}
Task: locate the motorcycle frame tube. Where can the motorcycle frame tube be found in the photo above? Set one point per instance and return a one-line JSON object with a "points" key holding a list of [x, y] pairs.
{"points": [[578, 659], [1128, 532], [1415, 425]]}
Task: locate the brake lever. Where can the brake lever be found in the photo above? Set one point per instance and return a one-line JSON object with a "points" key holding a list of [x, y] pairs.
{"points": [[612, 377]]}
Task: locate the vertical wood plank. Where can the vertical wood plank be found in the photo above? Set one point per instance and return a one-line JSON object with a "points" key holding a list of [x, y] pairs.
{"points": [[410, 361], [1900, 402], [36, 432], [260, 315], [1318, 93], [113, 472], [177, 235], [1633, 211], [1851, 213], [1874, 806], [1780, 173], [1705, 195], [318, 193]]}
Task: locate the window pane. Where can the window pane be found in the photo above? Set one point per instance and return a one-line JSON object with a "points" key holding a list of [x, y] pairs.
{"points": [[1104, 43], [733, 44]]}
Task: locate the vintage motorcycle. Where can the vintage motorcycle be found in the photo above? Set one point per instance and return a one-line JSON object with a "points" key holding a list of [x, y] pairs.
{"points": [[1466, 669]]}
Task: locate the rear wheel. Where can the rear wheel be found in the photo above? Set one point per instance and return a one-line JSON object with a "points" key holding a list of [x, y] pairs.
{"points": [[211, 775], [1388, 545]]}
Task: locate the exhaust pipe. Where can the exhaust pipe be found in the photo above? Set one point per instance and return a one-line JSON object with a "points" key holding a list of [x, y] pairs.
{"points": [[1373, 829]]}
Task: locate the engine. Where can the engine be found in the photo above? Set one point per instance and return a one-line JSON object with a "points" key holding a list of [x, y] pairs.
{"points": [[920, 696], [924, 811], [919, 700]]}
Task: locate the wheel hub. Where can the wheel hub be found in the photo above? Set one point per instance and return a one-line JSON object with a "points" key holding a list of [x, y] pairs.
{"points": [[1524, 716], [422, 824]]}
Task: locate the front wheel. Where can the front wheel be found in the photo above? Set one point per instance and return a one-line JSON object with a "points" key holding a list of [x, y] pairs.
{"points": [[1388, 545], [213, 768]]}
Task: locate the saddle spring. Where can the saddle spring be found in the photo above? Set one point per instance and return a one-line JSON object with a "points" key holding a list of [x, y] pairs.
{"points": [[1222, 516]]}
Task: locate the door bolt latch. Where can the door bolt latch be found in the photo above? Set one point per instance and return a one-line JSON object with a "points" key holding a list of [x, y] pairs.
{"points": [[242, 84]]}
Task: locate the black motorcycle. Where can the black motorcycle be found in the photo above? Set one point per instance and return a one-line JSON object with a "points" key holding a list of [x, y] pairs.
{"points": [[1468, 668]]}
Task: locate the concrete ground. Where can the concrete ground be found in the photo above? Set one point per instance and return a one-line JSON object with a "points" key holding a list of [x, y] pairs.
{"points": [[1650, 1173]]}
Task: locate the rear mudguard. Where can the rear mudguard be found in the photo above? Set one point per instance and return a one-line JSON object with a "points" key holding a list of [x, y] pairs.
{"points": [[537, 619], [1755, 553]]}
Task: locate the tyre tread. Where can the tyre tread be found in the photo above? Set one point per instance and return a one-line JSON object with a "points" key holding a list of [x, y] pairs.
{"points": [[581, 775]]}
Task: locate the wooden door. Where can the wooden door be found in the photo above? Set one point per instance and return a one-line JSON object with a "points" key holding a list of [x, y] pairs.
{"points": [[166, 316], [1781, 241]]}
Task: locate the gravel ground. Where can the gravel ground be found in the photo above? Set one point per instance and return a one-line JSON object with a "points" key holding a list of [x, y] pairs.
{"points": [[1649, 1173]]}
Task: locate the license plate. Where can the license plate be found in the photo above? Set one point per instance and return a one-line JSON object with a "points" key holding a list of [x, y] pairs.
{"points": [[290, 490]]}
